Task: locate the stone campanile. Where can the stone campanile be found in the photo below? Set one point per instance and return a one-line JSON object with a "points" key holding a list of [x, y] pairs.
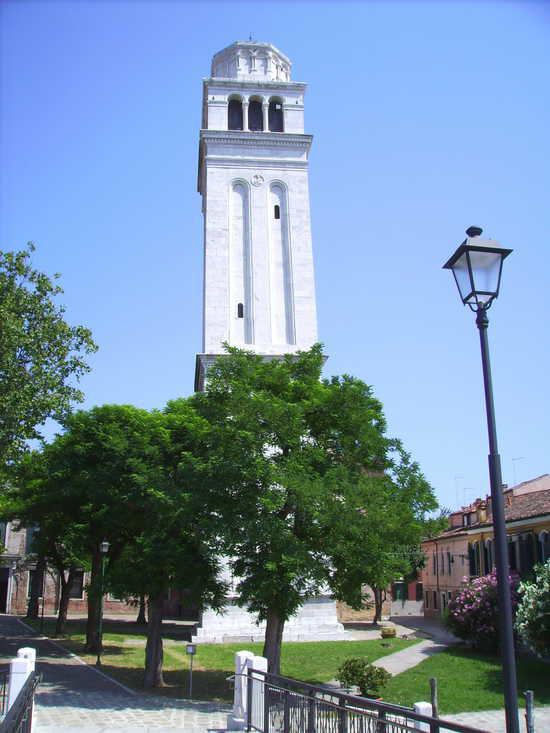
{"points": [[259, 289]]}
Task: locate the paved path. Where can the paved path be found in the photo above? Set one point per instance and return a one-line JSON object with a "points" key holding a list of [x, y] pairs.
{"points": [[493, 720], [76, 697]]}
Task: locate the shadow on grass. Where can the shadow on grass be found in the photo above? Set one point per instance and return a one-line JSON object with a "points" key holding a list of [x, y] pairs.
{"points": [[208, 685]]}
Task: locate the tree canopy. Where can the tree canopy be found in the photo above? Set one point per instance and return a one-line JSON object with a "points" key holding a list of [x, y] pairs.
{"points": [[41, 355], [312, 493]]}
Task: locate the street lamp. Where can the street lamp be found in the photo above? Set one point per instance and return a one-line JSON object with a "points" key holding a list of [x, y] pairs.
{"points": [[477, 269], [103, 549]]}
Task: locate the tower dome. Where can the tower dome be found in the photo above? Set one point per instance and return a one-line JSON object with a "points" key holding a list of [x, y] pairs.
{"points": [[251, 60]]}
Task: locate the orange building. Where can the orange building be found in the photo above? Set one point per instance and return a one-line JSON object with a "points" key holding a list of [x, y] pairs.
{"points": [[466, 549]]}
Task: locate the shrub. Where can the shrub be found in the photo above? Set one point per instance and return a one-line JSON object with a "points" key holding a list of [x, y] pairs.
{"points": [[360, 673], [473, 613], [533, 614]]}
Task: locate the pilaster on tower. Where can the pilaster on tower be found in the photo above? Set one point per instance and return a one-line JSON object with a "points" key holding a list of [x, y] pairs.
{"points": [[259, 289]]}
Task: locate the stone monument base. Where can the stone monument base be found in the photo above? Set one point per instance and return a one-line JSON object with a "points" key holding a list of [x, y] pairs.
{"points": [[316, 620]]}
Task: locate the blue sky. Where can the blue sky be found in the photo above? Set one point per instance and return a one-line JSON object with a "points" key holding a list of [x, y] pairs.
{"points": [[427, 118]]}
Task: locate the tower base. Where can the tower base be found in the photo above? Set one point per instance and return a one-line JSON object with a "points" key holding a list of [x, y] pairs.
{"points": [[316, 620]]}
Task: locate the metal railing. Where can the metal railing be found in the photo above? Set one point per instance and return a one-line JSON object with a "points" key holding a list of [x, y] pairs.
{"points": [[278, 704], [4, 677], [18, 718]]}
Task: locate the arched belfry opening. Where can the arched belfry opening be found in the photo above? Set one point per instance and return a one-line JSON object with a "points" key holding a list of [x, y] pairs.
{"points": [[275, 115], [255, 116], [235, 114]]}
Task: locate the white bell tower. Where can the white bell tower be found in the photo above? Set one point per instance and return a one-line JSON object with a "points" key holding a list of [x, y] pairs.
{"points": [[259, 289]]}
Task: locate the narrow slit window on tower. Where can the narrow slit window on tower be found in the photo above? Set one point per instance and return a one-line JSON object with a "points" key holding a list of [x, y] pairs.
{"points": [[240, 310], [277, 211], [235, 115]]}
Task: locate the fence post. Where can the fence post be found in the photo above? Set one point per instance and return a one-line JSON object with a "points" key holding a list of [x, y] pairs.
{"points": [[342, 716], [249, 683], [433, 690], [286, 713], [311, 713], [20, 669], [266, 704], [529, 711], [424, 708], [236, 720]]}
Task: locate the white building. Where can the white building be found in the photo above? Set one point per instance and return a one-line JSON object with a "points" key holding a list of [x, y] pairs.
{"points": [[259, 289]]}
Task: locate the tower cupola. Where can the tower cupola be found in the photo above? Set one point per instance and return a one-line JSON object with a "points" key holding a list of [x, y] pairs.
{"points": [[251, 61]]}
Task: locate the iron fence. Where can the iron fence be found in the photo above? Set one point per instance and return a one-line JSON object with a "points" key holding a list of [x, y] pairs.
{"points": [[18, 718], [4, 676], [278, 704]]}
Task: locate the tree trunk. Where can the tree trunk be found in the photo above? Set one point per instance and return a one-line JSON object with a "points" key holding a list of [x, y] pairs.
{"points": [[66, 585], [36, 589], [92, 634], [141, 619], [153, 649], [273, 639], [379, 598]]}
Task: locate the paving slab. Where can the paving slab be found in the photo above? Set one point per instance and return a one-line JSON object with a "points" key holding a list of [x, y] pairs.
{"points": [[493, 721]]}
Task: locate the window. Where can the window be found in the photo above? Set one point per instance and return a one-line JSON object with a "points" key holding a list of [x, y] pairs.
{"points": [[435, 564], [435, 599], [240, 310], [255, 116], [442, 564], [427, 599], [3, 526], [36, 576], [276, 211], [235, 114], [29, 538], [449, 562], [77, 587], [275, 116]]}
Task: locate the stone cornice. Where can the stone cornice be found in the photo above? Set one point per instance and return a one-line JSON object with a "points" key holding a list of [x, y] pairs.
{"points": [[265, 139], [245, 84], [253, 163]]}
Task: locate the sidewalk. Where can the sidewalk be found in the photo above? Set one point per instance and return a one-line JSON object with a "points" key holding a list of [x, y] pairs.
{"points": [[76, 697]]}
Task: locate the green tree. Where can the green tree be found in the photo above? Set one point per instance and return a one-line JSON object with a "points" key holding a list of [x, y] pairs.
{"points": [[302, 472], [98, 481], [56, 540], [41, 355], [179, 548]]}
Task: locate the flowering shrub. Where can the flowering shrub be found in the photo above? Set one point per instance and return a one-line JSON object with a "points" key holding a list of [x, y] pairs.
{"points": [[533, 614], [473, 614]]}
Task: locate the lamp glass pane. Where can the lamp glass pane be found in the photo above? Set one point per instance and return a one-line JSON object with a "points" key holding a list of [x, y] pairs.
{"points": [[462, 275], [486, 272]]}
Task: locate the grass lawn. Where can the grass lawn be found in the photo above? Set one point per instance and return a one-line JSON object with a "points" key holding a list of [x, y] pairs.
{"points": [[467, 680], [124, 651]]}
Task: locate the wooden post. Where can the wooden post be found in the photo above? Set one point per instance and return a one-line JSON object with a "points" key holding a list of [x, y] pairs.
{"points": [[529, 711], [433, 690]]}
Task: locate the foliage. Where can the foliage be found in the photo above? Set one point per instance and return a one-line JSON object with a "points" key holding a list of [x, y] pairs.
{"points": [[357, 672], [473, 614], [533, 613], [41, 355], [311, 493]]}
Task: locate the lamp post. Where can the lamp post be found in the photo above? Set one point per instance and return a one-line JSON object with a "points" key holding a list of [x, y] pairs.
{"points": [[477, 269], [103, 549]]}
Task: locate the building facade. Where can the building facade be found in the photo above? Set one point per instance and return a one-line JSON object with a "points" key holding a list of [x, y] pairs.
{"points": [[466, 549]]}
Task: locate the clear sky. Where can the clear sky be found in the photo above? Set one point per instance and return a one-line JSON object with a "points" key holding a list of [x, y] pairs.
{"points": [[427, 118]]}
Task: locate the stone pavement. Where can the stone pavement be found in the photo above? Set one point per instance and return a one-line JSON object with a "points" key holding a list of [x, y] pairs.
{"points": [[492, 721], [76, 697]]}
